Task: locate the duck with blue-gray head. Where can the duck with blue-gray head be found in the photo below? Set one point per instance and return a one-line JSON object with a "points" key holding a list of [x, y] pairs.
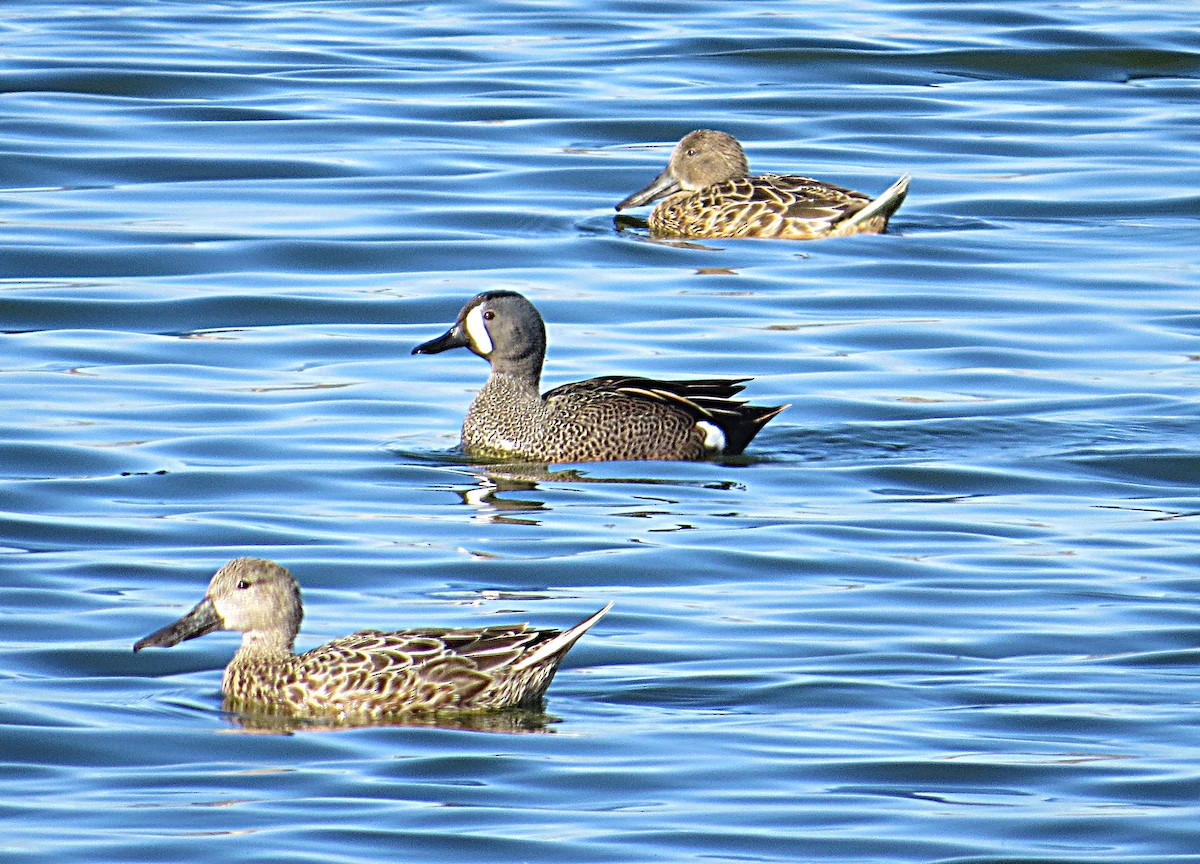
{"points": [[601, 419]]}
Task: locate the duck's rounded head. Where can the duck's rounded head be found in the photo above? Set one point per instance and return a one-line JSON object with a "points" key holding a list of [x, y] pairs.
{"points": [[503, 327], [251, 595], [702, 159]]}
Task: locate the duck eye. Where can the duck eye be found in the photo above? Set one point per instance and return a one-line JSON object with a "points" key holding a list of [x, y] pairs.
{"points": [[242, 585], [488, 315], [691, 152]]}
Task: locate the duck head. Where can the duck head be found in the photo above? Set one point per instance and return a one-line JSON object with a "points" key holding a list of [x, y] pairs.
{"points": [[257, 597], [502, 327], [703, 158]]}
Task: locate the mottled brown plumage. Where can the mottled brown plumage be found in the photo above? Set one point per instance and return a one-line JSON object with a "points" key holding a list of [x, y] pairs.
{"points": [[600, 419], [709, 193], [369, 674]]}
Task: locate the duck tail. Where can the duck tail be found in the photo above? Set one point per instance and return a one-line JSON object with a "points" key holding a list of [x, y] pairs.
{"points": [[751, 419], [882, 207], [555, 648]]}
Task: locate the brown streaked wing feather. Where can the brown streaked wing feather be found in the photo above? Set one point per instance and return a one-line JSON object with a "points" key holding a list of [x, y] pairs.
{"points": [[689, 387], [667, 396], [427, 669], [459, 674], [500, 647], [700, 398], [793, 189], [768, 205]]}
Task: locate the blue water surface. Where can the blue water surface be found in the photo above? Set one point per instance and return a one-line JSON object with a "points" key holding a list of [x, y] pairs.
{"points": [[944, 610]]}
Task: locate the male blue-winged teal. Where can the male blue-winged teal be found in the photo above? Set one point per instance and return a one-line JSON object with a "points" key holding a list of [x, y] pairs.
{"points": [[600, 419], [369, 674], [710, 193]]}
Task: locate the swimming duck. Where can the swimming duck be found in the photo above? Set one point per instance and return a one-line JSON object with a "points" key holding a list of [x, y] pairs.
{"points": [[709, 193], [600, 419], [369, 674]]}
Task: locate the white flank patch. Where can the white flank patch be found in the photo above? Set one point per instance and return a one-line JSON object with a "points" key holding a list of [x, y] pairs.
{"points": [[714, 438], [477, 331]]}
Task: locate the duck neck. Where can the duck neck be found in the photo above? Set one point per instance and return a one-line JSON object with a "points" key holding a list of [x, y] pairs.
{"points": [[521, 366], [511, 394], [520, 381], [260, 647]]}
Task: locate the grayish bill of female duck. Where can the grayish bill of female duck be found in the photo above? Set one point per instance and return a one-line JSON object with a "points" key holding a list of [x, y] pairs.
{"points": [[369, 674], [709, 193], [600, 419]]}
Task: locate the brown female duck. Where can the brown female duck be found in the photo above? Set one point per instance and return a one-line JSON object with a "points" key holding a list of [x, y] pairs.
{"points": [[369, 674], [709, 192]]}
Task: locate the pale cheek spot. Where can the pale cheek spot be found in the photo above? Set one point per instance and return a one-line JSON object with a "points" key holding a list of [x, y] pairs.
{"points": [[477, 331], [714, 438]]}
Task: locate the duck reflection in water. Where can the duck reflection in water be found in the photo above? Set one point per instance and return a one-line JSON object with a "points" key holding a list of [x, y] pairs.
{"points": [[513, 721], [485, 497]]}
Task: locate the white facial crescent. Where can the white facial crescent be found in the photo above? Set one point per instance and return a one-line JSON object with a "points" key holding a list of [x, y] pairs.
{"points": [[477, 331]]}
